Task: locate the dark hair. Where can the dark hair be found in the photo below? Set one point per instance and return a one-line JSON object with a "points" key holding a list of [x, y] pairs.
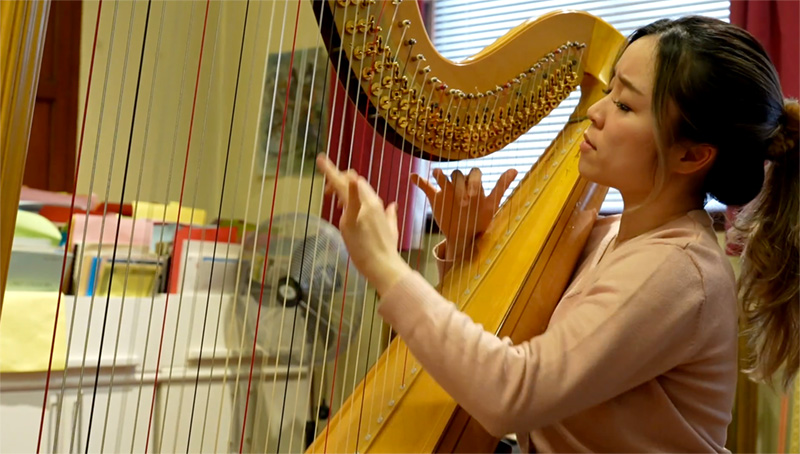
{"points": [[716, 85]]}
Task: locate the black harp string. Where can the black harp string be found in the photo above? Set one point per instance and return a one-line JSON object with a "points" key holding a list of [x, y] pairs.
{"points": [[119, 223], [219, 215], [169, 174], [307, 221], [130, 247], [262, 375], [269, 229], [320, 126], [227, 255], [198, 160]]}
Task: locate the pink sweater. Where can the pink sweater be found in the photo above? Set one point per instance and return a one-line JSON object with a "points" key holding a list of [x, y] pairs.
{"points": [[640, 354]]}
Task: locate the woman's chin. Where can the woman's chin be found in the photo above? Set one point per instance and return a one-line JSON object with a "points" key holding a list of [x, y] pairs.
{"points": [[592, 173], [586, 169]]}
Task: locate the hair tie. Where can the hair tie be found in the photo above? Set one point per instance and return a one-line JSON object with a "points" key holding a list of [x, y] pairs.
{"points": [[786, 138]]}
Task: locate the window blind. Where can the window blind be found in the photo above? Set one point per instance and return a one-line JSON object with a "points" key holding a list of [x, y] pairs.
{"points": [[462, 28]]}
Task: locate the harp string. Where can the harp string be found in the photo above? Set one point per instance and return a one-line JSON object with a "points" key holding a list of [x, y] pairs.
{"points": [[173, 149], [396, 197], [351, 151], [347, 270], [479, 113], [262, 377], [290, 170], [258, 226], [83, 250], [264, 357], [482, 107], [275, 284], [161, 237], [69, 228], [194, 291], [481, 116], [234, 303], [130, 243], [216, 241], [271, 218], [285, 299], [303, 252], [116, 241], [409, 97], [428, 100], [330, 216], [353, 118], [180, 207]]}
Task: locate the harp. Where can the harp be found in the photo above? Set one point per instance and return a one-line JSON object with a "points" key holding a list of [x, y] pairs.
{"points": [[183, 369]]}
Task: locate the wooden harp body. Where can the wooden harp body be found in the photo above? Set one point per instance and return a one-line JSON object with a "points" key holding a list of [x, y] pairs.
{"points": [[421, 103]]}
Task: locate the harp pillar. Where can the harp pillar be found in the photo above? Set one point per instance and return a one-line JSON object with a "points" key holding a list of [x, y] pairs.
{"points": [[22, 42]]}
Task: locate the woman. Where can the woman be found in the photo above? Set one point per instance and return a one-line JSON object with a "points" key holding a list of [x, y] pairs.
{"points": [[641, 352]]}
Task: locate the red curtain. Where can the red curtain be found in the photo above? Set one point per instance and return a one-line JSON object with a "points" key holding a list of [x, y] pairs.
{"points": [[776, 24]]}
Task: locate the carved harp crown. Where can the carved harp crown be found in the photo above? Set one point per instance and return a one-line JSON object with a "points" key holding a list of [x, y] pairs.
{"points": [[172, 116]]}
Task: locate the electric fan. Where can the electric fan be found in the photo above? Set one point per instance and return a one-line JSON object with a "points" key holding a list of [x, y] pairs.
{"points": [[307, 290]]}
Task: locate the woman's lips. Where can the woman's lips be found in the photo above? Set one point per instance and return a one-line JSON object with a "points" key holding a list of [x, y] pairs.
{"points": [[587, 145]]}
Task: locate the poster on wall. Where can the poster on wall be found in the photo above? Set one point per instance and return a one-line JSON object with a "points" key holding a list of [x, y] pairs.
{"points": [[305, 113]]}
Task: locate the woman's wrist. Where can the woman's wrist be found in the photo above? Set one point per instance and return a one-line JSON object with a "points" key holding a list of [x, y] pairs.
{"points": [[386, 273]]}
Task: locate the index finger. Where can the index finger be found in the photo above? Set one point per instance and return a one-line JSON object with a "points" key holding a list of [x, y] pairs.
{"points": [[425, 185], [336, 178]]}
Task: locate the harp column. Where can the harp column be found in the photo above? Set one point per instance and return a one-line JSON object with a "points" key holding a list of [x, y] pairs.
{"points": [[22, 39]]}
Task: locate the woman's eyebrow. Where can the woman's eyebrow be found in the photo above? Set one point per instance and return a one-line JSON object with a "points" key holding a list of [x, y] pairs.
{"points": [[627, 83]]}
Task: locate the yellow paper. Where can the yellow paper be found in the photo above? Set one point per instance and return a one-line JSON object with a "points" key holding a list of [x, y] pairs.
{"points": [[155, 212], [26, 332]]}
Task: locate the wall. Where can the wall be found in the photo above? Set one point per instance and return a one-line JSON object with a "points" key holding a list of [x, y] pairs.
{"points": [[164, 112], [156, 166]]}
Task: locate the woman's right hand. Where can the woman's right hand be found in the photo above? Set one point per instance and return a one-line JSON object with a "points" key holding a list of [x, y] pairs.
{"points": [[460, 206]]}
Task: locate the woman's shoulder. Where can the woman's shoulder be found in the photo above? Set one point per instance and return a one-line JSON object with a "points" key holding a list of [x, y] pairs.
{"points": [[690, 237], [605, 227], [693, 244]]}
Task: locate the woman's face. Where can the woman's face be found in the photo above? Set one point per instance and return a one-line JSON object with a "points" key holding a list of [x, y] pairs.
{"points": [[619, 149]]}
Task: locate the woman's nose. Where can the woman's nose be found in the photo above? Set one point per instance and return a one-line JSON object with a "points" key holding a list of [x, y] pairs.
{"points": [[595, 113]]}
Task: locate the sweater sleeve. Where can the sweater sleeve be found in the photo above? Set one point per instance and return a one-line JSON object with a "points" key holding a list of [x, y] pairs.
{"points": [[637, 320]]}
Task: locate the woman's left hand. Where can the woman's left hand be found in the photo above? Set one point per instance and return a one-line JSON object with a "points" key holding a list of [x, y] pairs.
{"points": [[368, 228]]}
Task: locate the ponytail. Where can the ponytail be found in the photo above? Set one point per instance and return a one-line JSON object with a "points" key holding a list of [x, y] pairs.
{"points": [[768, 285]]}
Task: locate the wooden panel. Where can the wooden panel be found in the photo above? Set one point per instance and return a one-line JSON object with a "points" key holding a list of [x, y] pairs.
{"points": [[37, 166], [55, 124]]}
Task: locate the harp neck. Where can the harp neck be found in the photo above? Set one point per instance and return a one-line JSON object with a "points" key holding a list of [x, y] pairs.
{"points": [[447, 110]]}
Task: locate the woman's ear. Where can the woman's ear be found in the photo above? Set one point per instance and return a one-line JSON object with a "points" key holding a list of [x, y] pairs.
{"points": [[692, 158]]}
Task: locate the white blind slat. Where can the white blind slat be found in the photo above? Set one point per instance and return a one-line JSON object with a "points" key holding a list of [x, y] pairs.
{"points": [[463, 28]]}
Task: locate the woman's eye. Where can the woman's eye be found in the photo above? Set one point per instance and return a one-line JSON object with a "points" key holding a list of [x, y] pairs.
{"points": [[622, 107]]}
